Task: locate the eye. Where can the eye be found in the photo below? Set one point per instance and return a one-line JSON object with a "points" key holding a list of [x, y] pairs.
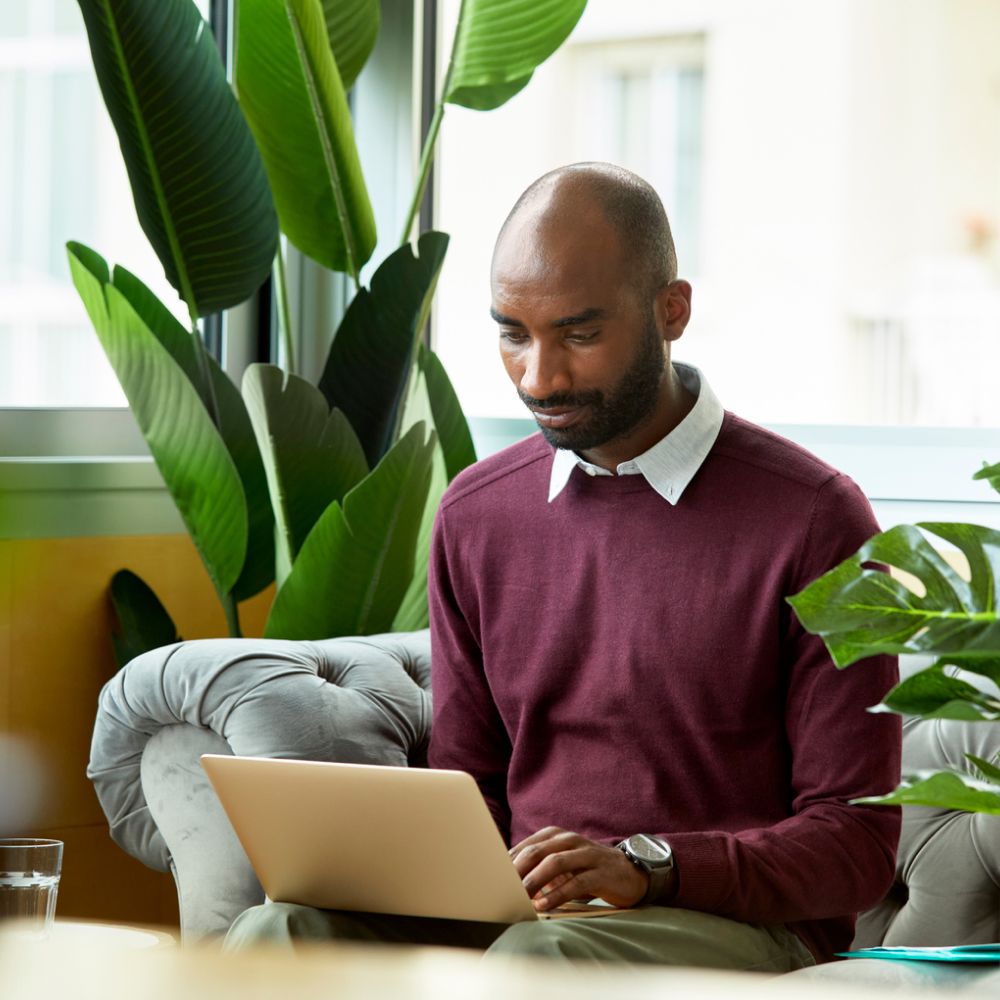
{"points": [[582, 337], [513, 336]]}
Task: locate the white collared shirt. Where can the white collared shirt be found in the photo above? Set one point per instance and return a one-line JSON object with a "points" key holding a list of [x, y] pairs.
{"points": [[673, 461]]}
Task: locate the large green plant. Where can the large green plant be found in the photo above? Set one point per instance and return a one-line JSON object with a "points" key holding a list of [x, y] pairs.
{"points": [[331, 489], [860, 610]]}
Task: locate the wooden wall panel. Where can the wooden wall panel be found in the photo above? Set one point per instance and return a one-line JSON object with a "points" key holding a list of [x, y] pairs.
{"points": [[55, 655]]}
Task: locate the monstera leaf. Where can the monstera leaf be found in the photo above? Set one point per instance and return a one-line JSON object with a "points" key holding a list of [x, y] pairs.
{"points": [[860, 611], [198, 181], [354, 568], [935, 694], [188, 449], [293, 97], [499, 44], [942, 790]]}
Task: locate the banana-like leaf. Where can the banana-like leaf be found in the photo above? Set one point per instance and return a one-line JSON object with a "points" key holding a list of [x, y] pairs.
{"points": [[142, 622], [357, 562], [413, 611], [292, 95], [368, 366], [446, 411], [187, 448], [941, 790], [498, 45], [311, 455], [233, 425], [352, 28], [198, 181], [932, 694], [991, 473], [860, 612]]}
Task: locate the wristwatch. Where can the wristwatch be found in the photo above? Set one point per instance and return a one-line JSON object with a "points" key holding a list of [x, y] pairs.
{"points": [[654, 857]]}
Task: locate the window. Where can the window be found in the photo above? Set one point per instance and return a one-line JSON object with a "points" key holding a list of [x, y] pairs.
{"points": [[832, 173], [61, 178]]}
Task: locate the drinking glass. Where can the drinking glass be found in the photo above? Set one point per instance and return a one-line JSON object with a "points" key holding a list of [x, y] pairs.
{"points": [[29, 880]]}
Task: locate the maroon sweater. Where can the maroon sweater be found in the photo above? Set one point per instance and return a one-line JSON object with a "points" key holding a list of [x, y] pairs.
{"points": [[611, 664]]}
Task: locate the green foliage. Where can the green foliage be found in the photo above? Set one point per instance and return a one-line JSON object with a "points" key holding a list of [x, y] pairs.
{"points": [[368, 369], [293, 97], [188, 449], [352, 28], [355, 566], [860, 610], [197, 178], [141, 621], [498, 46], [312, 455], [279, 486]]}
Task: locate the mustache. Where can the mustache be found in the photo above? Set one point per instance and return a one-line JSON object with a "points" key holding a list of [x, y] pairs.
{"points": [[558, 399]]}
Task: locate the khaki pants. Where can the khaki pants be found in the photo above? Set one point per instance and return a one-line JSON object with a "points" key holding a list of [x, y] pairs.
{"points": [[649, 935]]}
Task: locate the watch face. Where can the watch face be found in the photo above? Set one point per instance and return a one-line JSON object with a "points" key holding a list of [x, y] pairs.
{"points": [[648, 849]]}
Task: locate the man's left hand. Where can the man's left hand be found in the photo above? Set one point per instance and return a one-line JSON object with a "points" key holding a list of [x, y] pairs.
{"points": [[556, 866]]}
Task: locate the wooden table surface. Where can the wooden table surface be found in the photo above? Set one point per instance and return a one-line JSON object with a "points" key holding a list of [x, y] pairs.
{"points": [[87, 969]]}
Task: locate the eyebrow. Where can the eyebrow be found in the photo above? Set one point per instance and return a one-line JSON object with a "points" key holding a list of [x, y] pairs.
{"points": [[578, 319]]}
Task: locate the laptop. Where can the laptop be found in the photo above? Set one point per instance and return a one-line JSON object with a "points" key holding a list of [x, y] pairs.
{"points": [[378, 839]]}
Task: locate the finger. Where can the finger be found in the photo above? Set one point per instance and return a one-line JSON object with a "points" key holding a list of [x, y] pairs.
{"points": [[574, 886], [530, 856], [553, 865], [544, 834]]}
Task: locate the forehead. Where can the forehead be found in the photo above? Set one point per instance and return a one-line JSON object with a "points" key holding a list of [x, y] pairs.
{"points": [[557, 260]]}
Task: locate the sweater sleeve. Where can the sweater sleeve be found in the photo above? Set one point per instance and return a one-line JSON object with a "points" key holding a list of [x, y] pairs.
{"points": [[467, 733], [828, 857]]}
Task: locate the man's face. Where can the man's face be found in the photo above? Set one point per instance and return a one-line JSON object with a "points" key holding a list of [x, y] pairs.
{"points": [[576, 338]]}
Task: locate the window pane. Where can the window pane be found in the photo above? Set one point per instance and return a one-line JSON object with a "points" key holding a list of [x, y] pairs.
{"points": [[61, 178], [831, 169]]}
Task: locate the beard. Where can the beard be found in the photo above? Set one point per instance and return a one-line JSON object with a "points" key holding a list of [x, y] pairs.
{"points": [[614, 413]]}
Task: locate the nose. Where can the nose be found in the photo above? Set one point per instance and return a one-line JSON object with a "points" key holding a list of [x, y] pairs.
{"points": [[545, 370]]}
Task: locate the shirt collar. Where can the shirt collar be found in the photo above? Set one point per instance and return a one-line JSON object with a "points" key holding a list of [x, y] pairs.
{"points": [[673, 461]]}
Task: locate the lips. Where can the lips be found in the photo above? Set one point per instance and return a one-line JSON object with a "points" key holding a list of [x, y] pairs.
{"points": [[557, 416]]}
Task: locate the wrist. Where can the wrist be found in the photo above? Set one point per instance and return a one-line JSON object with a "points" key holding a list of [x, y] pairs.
{"points": [[653, 857]]}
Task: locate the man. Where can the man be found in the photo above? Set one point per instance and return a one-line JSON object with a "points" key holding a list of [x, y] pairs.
{"points": [[613, 658]]}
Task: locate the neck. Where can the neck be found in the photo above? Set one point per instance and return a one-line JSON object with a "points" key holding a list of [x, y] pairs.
{"points": [[672, 406]]}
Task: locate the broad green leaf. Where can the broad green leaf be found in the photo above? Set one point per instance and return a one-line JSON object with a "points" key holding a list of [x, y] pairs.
{"points": [[311, 455], [291, 92], [987, 769], [446, 411], [860, 612], [941, 790], [991, 473], [368, 366], [357, 562], [198, 181], [185, 444], [932, 694], [413, 612], [352, 28], [498, 45], [141, 621], [233, 425]]}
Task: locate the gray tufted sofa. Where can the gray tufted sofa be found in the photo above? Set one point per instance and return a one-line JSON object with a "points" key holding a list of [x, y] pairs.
{"points": [[367, 700]]}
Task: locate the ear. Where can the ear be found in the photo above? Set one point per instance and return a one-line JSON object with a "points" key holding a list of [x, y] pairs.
{"points": [[673, 309]]}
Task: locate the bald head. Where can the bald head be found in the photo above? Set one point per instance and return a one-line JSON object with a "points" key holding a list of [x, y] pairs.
{"points": [[566, 198]]}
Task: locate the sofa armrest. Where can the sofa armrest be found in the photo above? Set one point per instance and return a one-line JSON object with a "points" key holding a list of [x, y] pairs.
{"points": [[357, 700]]}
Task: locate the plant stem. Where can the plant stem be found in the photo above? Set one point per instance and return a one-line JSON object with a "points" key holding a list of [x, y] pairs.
{"points": [[426, 158], [232, 611], [285, 313]]}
